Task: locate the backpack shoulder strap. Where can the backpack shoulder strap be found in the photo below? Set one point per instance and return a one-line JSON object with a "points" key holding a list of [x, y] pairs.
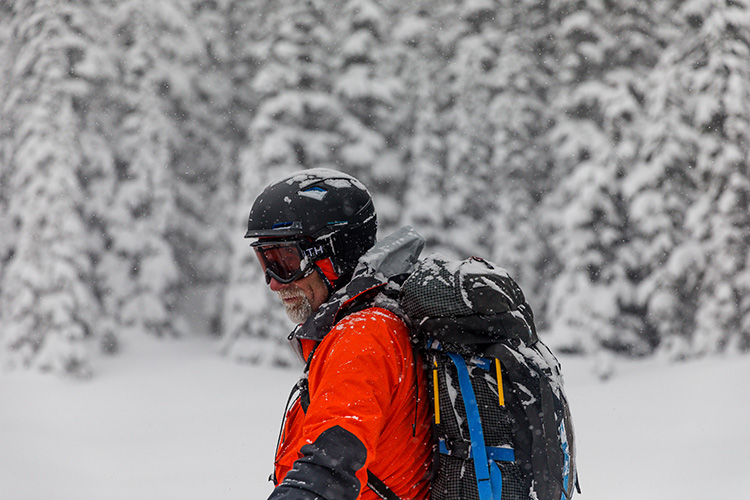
{"points": [[489, 481], [380, 488]]}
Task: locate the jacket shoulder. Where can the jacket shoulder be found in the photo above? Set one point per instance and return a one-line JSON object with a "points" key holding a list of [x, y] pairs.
{"points": [[372, 332], [371, 318]]}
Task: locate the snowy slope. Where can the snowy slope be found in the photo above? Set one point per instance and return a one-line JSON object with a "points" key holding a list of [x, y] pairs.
{"points": [[174, 420]]}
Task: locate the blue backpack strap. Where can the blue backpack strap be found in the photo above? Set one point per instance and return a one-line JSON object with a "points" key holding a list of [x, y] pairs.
{"points": [[496, 480], [479, 452], [496, 453]]}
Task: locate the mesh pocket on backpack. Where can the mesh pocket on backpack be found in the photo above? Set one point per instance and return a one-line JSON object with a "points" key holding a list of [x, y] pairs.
{"points": [[432, 291], [454, 427]]}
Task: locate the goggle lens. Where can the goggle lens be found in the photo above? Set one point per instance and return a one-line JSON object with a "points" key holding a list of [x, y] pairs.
{"points": [[283, 262]]}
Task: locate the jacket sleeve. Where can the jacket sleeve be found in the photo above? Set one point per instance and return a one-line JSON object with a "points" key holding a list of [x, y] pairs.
{"points": [[352, 380], [326, 470]]}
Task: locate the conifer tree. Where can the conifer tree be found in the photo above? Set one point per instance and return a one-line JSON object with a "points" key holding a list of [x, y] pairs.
{"points": [[370, 93], [598, 150], [419, 67], [97, 66], [469, 171], [204, 100], [519, 120], [471, 42], [299, 124], [234, 29], [659, 187], [7, 49], [698, 297], [46, 305], [448, 195], [137, 272], [603, 53]]}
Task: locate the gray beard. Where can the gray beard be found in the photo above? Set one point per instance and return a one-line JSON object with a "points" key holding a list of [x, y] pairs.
{"points": [[300, 311]]}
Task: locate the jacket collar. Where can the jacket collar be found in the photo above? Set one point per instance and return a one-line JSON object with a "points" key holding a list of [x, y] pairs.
{"points": [[377, 270]]}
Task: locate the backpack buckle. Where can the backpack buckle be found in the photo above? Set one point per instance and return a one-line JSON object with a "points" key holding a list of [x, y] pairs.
{"points": [[458, 448]]}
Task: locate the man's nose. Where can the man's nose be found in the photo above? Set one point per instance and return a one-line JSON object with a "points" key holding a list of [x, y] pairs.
{"points": [[275, 285]]}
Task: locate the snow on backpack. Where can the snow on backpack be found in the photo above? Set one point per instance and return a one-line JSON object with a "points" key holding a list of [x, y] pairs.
{"points": [[502, 418]]}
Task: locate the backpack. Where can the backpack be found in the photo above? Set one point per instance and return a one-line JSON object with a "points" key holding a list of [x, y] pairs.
{"points": [[502, 420]]}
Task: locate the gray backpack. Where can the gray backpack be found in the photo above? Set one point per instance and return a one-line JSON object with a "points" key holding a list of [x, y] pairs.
{"points": [[502, 420]]}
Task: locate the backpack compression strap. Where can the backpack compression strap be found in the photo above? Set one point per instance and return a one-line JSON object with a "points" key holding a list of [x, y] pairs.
{"points": [[488, 475]]}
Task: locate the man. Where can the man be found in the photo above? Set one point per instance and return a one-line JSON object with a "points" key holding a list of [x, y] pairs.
{"points": [[360, 427]]}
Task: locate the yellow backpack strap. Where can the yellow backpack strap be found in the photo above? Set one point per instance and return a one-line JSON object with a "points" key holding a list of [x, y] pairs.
{"points": [[435, 391], [499, 374]]}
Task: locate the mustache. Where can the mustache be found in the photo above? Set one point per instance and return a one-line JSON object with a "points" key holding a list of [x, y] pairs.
{"points": [[290, 293]]}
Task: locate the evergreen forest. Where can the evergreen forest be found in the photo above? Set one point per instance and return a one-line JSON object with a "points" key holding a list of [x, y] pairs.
{"points": [[596, 149]]}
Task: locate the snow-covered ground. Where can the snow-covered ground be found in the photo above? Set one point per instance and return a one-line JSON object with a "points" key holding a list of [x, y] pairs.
{"points": [[173, 420]]}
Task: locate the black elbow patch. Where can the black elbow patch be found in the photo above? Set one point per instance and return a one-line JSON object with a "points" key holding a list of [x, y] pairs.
{"points": [[327, 469], [340, 449]]}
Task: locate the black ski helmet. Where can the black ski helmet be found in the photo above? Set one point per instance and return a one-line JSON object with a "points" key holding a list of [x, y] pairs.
{"points": [[321, 206]]}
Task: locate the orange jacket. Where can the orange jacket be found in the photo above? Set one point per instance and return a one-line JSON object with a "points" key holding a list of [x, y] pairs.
{"points": [[363, 379]]}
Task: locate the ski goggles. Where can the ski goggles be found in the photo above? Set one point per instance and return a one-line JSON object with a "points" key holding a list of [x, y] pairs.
{"points": [[286, 261]]}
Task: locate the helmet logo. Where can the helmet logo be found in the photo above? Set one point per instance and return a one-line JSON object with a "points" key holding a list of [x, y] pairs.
{"points": [[316, 193]]}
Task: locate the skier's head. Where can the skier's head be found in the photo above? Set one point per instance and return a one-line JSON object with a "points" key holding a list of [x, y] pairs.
{"points": [[314, 220]]}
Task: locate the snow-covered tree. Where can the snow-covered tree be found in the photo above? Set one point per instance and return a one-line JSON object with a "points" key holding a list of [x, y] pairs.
{"points": [[603, 52], [477, 159], [46, 304], [368, 89], [203, 97], [519, 118], [698, 297], [233, 29], [7, 49], [97, 66], [659, 187], [471, 41], [137, 271], [598, 150], [299, 124], [448, 56]]}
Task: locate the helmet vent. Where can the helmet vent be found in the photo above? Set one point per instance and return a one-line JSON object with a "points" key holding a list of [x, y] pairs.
{"points": [[316, 193], [284, 225]]}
